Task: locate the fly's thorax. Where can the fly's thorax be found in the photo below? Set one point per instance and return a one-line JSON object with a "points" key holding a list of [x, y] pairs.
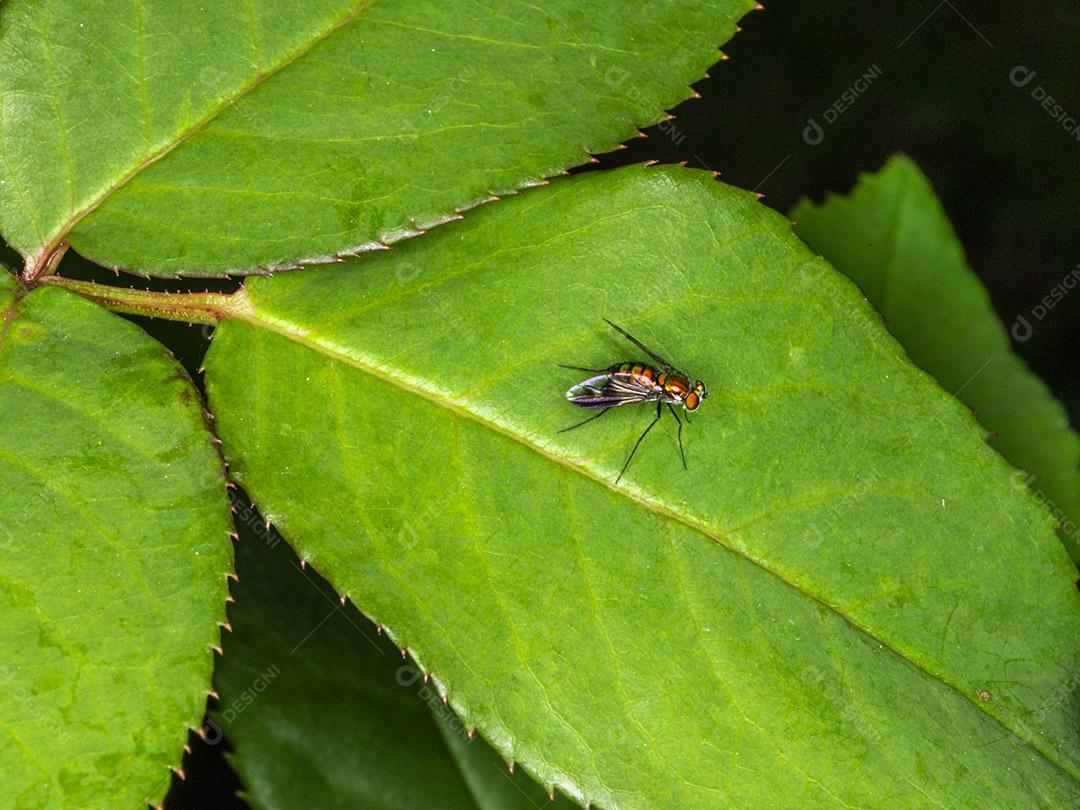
{"points": [[675, 386]]}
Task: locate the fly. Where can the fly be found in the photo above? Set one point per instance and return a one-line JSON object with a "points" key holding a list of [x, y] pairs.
{"points": [[631, 382]]}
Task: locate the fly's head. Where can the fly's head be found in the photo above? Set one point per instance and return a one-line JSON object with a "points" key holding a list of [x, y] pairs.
{"points": [[694, 398]]}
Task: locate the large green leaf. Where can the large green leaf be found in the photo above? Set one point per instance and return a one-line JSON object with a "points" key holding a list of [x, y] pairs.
{"points": [[322, 711], [113, 555], [892, 237], [246, 135], [845, 598]]}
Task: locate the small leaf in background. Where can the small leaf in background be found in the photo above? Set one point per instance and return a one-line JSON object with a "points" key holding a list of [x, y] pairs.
{"points": [[113, 555], [251, 135], [891, 237], [322, 711], [846, 596]]}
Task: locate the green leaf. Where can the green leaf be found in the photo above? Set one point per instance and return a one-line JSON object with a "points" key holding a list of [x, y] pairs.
{"points": [[321, 710], [113, 555], [891, 236], [845, 597], [258, 135]]}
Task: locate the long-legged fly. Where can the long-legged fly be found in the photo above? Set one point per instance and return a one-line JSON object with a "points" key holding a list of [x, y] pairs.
{"points": [[630, 382]]}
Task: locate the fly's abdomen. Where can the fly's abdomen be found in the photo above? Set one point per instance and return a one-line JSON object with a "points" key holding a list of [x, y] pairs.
{"points": [[641, 374], [621, 384]]}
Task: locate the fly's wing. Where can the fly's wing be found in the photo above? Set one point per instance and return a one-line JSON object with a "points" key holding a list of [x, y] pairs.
{"points": [[610, 390]]}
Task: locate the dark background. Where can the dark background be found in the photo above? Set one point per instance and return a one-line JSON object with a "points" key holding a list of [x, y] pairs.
{"points": [[1005, 170]]}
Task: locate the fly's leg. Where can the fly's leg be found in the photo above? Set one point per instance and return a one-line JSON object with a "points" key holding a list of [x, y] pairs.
{"points": [[585, 421], [659, 411], [679, 421]]}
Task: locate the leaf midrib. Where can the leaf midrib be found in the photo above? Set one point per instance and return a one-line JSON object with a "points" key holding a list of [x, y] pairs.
{"points": [[248, 312], [41, 258]]}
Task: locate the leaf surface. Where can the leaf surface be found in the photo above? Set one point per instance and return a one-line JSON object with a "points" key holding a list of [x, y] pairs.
{"points": [[113, 555], [321, 710], [244, 136], [845, 597], [891, 237]]}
